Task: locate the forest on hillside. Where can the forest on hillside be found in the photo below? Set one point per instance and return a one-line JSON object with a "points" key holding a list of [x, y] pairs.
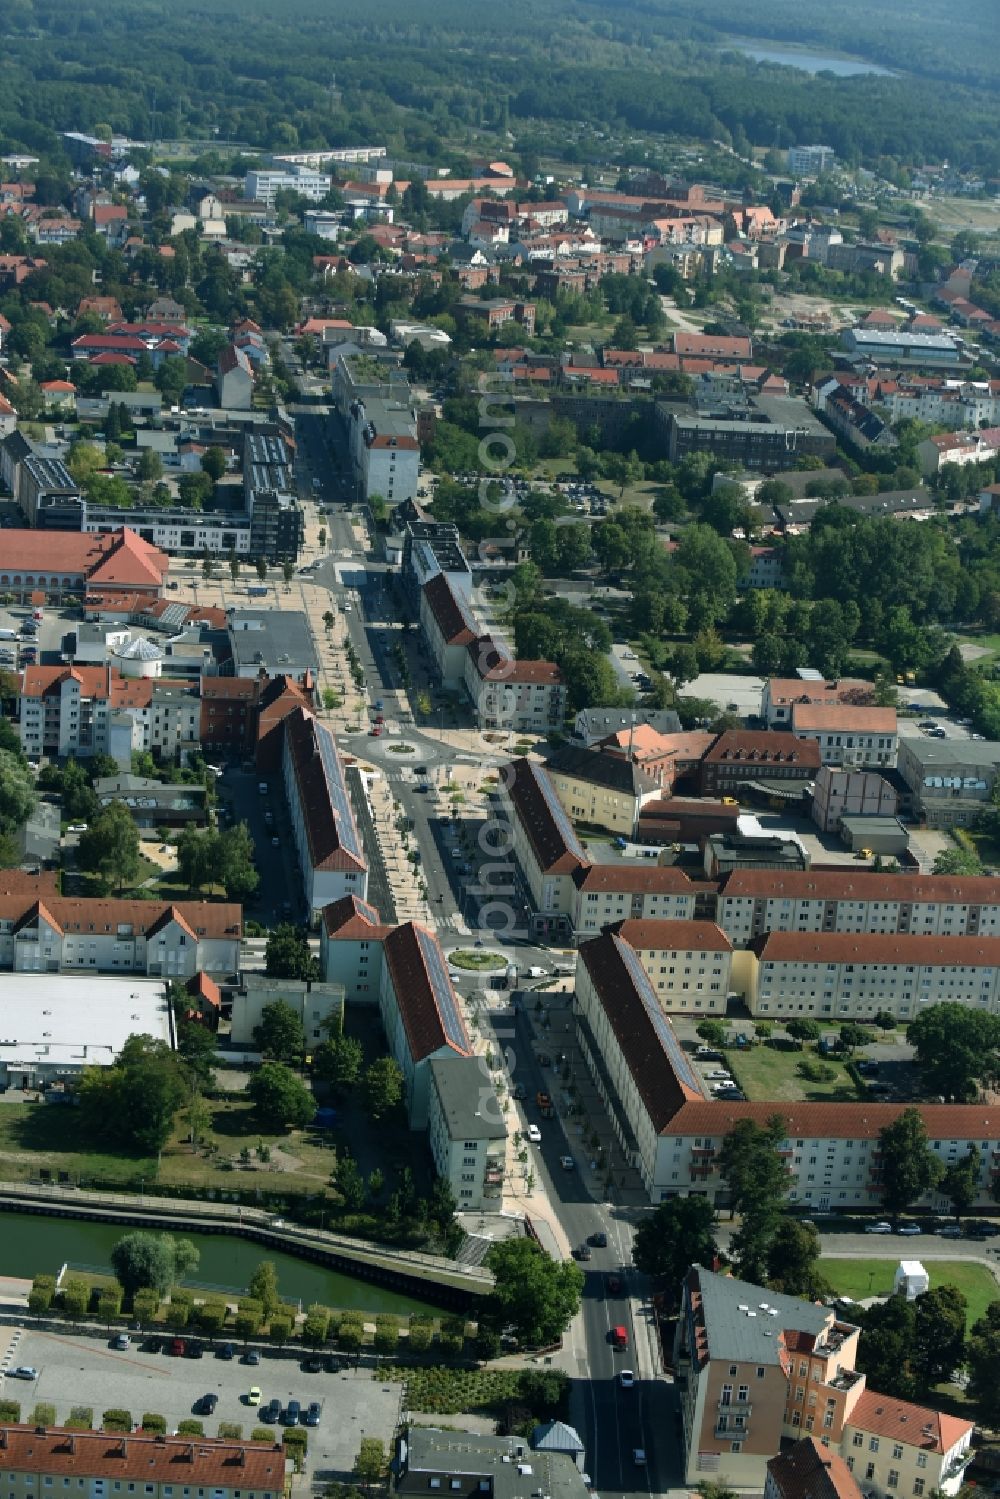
{"points": [[435, 80]]}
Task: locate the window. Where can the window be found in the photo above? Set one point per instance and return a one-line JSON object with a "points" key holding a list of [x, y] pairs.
{"points": [[736, 1446], [727, 1395], [870, 1472], [434, 1483], [921, 1459], [873, 1444], [760, 1371], [892, 1482], [859, 1440], [897, 1450], [455, 1483], [918, 1486]]}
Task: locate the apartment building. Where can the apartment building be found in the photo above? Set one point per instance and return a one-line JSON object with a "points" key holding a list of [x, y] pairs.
{"points": [[103, 1463], [671, 1134], [756, 1368], [449, 629], [90, 710], [782, 694], [742, 757], [752, 902], [847, 735], [602, 790], [376, 403], [45, 933], [330, 853], [514, 695], [635, 890], [540, 836], [319, 1006], [471, 1465], [688, 963], [846, 977], [466, 1132]]}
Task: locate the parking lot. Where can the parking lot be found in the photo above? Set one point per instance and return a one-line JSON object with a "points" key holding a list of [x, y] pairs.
{"points": [[82, 1371]]}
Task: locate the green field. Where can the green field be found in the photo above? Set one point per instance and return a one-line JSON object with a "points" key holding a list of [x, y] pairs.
{"points": [[859, 1279], [766, 1075]]}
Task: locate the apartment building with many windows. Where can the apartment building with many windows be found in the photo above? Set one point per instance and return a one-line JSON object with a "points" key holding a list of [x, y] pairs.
{"points": [[846, 734], [329, 848], [688, 963], [466, 1132]]}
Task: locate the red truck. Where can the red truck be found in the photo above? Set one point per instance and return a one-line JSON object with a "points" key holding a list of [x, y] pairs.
{"points": [[544, 1105]]}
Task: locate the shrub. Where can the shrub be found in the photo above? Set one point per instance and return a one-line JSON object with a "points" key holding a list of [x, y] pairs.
{"points": [[262, 1434], [487, 1342], [316, 1327], [154, 1423], [816, 1072], [109, 1303], [145, 1305], [42, 1293], [350, 1334], [231, 1431], [190, 1428], [211, 1317], [81, 1418], [421, 1334], [249, 1316], [452, 1334], [386, 1333], [178, 1314], [296, 1443], [44, 1414], [76, 1298], [10, 1412], [116, 1420], [280, 1329]]}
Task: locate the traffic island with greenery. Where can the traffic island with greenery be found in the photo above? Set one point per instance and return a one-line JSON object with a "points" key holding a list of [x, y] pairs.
{"points": [[477, 961]]}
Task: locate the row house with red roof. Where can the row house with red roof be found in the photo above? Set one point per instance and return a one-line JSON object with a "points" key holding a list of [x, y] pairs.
{"points": [[93, 710], [41, 932]]}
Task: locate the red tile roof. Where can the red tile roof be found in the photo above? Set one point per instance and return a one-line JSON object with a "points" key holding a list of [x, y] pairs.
{"points": [[849, 884], [449, 612], [202, 1461], [635, 876], [549, 831], [826, 718], [718, 345], [322, 819], [352, 918], [199, 918], [428, 1005], [649, 934], [761, 749], [877, 947], [811, 1471], [913, 1425], [116, 559]]}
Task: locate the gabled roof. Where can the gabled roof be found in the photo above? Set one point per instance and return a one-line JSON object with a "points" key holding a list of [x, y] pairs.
{"points": [[426, 999], [556, 847], [877, 947], [651, 935], [871, 885], [353, 919], [811, 1471], [913, 1425], [326, 809], [613, 772], [829, 717], [449, 612], [77, 914]]}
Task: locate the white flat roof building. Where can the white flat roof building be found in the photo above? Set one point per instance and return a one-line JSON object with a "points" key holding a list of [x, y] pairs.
{"points": [[52, 1026]]}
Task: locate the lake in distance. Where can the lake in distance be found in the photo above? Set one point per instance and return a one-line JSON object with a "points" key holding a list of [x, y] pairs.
{"points": [[807, 61]]}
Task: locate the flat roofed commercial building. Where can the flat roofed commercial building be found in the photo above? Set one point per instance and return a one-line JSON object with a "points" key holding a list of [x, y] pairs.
{"points": [[64, 1023]]}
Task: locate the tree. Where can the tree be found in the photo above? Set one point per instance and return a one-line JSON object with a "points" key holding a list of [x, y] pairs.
{"points": [[370, 1463], [17, 792], [143, 1261], [791, 1260], [350, 1183], [853, 1036], [960, 1182], [679, 1233], [134, 1102], [280, 1034], [885, 1353], [281, 1099], [288, 571], [982, 1356], [382, 1087], [804, 1029], [288, 955], [110, 847], [263, 1288], [261, 568], [535, 1294], [150, 466], [958, 861], [338, 1062], [938, 1336], [234, 567], [757, 1179], [711, 1031], [956, 1049], [213, 463], [909, 1169]]}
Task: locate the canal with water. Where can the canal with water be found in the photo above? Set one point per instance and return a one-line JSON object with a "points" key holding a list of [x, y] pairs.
{"points": [[31, 1244]]}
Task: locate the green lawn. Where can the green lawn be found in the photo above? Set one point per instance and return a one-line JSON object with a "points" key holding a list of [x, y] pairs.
{"points": [[862, 1278], [766, 1075], [477, 960]]}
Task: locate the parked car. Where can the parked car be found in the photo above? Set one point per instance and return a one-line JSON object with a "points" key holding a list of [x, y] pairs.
{"points": [[878, 1228], [909, 1229], [290, 1415], [582, 1252], [270, 1412], [253, 1395], [949, 1231], [252, 1356], [226, 1351], [206, 1404], [24, 1371], [121, 1340], [311, 1417], [331, 1365]]}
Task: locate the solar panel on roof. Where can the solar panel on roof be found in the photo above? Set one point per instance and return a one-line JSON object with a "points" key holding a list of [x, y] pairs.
{"points": [[444, 994], [679, 1061], [337, 792], [557, 812]]}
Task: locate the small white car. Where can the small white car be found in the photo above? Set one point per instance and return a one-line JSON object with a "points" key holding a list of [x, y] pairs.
{"points": [[878, 1228], [24, 1371], [534, 1134], [77, 827]]}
